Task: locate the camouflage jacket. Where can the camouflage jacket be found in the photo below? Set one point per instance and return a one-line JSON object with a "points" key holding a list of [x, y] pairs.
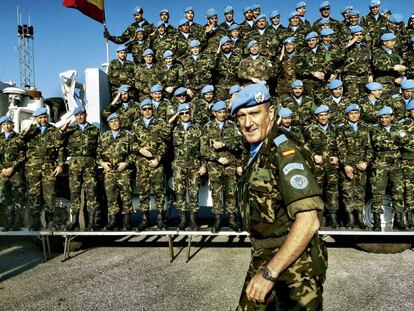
{"points": [[196, 30], [81, 143], [357, 61], [202, 110], [119, 73], [129, 33], [299, 34], [116, 150], [310, 62], [239, 46], [371, 25], [46, 147], [182, 44], [286, 72], [385, 144], [354, 146], [321, 142], [162, 44], [279, 32], [336, 110], [186, 145], [145, 78], [268, 41], [334, 24], [210, 41], [12, 151], [136, 48], [260, 68], [369, 112], [406, 139], [245, 28], [198, 73], [401, 40], [303, 112], [163, 109], [409, 62], [126, 115], [231, 138], [226, 73], [296, 132], [334, 56], [172, 76], [398, 104], [383, 65]]}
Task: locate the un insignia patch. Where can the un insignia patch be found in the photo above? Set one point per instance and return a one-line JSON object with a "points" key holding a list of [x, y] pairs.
{"points": [[259, 97], [402, 133], [299, 182]]}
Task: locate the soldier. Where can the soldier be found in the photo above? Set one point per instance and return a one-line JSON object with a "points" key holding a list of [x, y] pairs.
{"points": [[247, 25], [387, 168], [234, 90], [226, 61], [286, 117], [334, 54], [45, 159], [325, 10], [345, 23], [171, 73], [187, 166], [184, 36], [211, 34], [289, 282], [398, 102], [195, 28], [229, 18], [255, 67], [395, 25], [238, 43], [120, 71], [202, 106], [356, 69], [139, 44], [197, 69], [163, 41], [114, 154], [295, 28], [301, 105], [373, 21], [257, 10], [12, 181], [124, 106], [321, 138], [129, 33], [265, 37], [336, 102], [150, 134], [276, 25], [165, 19], [409, 58], [301, 9], [81, 140], [162, 107], [355, 154], [371, 103], [220, 145], [146, 74]]}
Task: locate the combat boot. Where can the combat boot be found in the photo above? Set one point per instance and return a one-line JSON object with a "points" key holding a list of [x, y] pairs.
{"points": [[217, 224], [74, 221], [144, 222], [377, 222], [233, 222], [161, 220], [193, 223], [410, 220], [111, 224], [36, 223], [361, 222], [350, 221], [398, 221], [126, 223], [183, 220]]}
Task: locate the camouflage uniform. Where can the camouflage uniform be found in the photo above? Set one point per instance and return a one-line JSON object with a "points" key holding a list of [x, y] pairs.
{"points": [[409, 62], [126, 115], [323, 143], [400, 40], [120, 73], [354, 147], [397, 103], [201, 110], [210, 41], [222, 177], [386, 168], [260, 68], [12, 188], [267, 41], [145, 77], [369, 111], [162, 44], [299, 34], [373, 26], [172, 76], [129, 32], [187, 161], [336, 109], [44, 153], [269, 199], [136, 48], [226, 76], [198, 73], [334, 24], [163, 109], [302, 112], [286, 74]]}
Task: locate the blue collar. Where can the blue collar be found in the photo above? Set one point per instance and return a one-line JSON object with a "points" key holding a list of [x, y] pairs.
{"points": [[115, 134]]}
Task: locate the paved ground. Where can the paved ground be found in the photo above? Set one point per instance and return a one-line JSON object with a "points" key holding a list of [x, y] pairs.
{"points": [[138, 276]]}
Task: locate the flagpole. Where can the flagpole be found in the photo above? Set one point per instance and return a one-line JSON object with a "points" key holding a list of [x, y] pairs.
{"points": [[107, 46]]}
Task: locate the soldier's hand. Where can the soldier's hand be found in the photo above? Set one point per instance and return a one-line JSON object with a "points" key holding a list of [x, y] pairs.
{"points": [[319, 75], [398, 80], [370, 78], [153, 163], [258, 288], [106, 34], [106, 166], [169, 89], [223, 160], [332, 77], [255, 80], [239, 170], [116, 98], [349, 171], [145, 152], [202, 171], [58, 170], [318, 159], [190, 93], [122, 166], [218, 145], [362, 166], [334, 160], [7, 171], [400, 68]]}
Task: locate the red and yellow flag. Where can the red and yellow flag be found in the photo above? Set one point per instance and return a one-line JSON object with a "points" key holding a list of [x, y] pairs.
{"points": [[93, 8]]}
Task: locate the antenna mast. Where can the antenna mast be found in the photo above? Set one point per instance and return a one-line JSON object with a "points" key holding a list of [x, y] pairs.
{"points": [[26, 52]]}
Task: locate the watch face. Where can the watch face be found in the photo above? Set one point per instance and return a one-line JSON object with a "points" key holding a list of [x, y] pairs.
{"points": [[266, 274]]}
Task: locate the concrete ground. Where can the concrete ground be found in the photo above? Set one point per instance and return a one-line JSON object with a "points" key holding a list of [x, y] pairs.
{"points": [[137, 275]]}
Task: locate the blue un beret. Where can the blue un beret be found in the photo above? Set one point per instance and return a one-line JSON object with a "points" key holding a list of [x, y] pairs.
{"points": [[407, 84], [326, 32], [347, 8], [156, 88], [122, 48], [5, 119], [167, 53], [183, 107], [247, 9], [355, 29], [260, 17], [79, 110], [374, 86], [139, 30], [410, 105], [228, 9], [234, 26], [112, 116], [211, 13], [296, 84], [289, 40], [234, 89], [180, 90], [274, 14], [164, 11], [354, 13], [300, 4], [249, 96], [189, 9], [351, 107], [194, 43], [324, 21], [388, 37], [207, 89], [224, 40], [145, 102], [159, 24], [250, 44], [123, 89], [321, 109], [293, 14], [148, 52], [255, 6], [311, 35], [39, 112], [374, 3], [220, 105], [384, 111], [285, 113], [324, 4], [396, 18], [183, 21], [138, 10], [335, 84]]}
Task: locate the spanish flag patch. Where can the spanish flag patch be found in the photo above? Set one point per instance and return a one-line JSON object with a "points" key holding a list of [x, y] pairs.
{"points": [[288, 152]]}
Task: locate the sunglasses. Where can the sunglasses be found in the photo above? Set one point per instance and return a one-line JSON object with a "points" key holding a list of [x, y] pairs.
{"points": [[181, 95], [182, 113], [146, 109], [325, 9]]}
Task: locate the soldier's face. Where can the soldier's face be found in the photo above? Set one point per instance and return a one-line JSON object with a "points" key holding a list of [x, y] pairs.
{"points": [[376, 94], [208, 96], [168, 60], [255, 49], [181, 98], [212, 21], [359, 36], [195, 50], [185, 28], [412, 113], [327, 39], [261, 23], [139, 36], [138, 16], [125, 97], [7, 126], [323, 118], [220, 115], [189, 15], [276, 20], [298, 91], [256, 12], [256, 122], [148, 59], [375, 9], [157, 96], [294, 21], [386, 120], [407, 93], [301, 10], [286, 122], [290, 47], [312, 42], [161, 30], [353, 116], [164, 17], [235, 33], [226, 47], [229, 16], [114, 124], [185, 116], [81, 117], [42, 120], [147, 112], [337, 92], [122, 55], [248, 15], [354, 20], [325, 12]]}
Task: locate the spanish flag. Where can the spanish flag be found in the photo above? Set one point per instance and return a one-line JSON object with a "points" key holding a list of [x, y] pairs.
{"points": [[93, 8]]}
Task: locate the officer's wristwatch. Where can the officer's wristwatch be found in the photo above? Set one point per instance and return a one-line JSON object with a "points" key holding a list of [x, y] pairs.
{"points": [[267, 274]]}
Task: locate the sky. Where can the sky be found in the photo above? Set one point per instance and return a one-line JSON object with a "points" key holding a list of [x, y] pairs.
{"points": [[66, 39]]}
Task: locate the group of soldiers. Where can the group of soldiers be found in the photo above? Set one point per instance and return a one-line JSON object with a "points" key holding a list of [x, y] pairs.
{"points": [[342, 89]]}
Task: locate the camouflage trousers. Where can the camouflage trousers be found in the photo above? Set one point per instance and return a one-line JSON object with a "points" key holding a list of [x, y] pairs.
{"points": [[353, 190], [12, 192], [407, 167], [383, 173], [223, 188], [299, 287], [150, 178], [40, 185], [82, 173], [186, 179], [354, 87], [327, 178], [118, 184]]}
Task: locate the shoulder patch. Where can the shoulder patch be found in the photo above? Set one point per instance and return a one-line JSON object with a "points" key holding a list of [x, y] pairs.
{"points": [[299, 182], [288, 152], [293, 166], [280, 140]]}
